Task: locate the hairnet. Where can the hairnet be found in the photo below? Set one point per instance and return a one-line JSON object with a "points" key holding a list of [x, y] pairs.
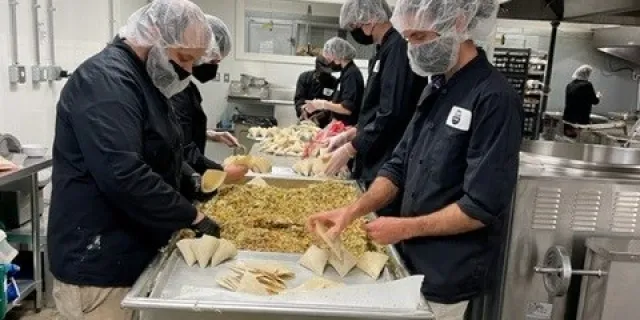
{"points": [[339, 48], [164, 22], [583, 72], [221, 34], [479, 17], [358, 12]]}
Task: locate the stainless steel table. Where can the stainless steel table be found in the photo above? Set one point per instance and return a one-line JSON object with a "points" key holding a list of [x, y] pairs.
{"points": [[30, 169]]}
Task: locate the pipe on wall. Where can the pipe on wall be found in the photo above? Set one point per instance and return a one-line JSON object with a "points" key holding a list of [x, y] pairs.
{"points": [[13, 27], [36, 31], [547, 77], [112, 20], [52, 47]]}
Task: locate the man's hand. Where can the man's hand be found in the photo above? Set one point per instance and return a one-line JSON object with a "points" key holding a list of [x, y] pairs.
{"points": [[339, 159], [388, 230], [235, 173], [338, 141], [336, 220], [312, 106], [223, 137]]}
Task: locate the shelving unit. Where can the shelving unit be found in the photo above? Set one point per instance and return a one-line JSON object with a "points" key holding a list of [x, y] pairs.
{"points": [[534, 91], [29, 170], [525, 71]]}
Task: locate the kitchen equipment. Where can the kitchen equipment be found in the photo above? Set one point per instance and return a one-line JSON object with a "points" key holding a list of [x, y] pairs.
{"points": [[614, 296], [565, 194], [34, 150], [9, 144]]}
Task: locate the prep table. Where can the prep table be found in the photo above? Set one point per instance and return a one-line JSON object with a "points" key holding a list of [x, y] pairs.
{"points": [[29, 170], [168, 289]]}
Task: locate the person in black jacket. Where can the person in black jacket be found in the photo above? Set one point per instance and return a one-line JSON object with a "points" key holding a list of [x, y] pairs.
{"points": [[580, 96], [315, 84], [390, 96], [345, 105], [456, 167], [117, 160], [193, 120]]}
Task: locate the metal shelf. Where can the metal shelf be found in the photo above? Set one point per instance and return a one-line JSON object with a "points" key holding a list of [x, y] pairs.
{"points": [[26, 287]]}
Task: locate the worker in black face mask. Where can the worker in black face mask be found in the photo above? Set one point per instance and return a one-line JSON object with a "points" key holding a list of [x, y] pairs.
{"points": [[390, 96], [193, 121], [316, 84]]}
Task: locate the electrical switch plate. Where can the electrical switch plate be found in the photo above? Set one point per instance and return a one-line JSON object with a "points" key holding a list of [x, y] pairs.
{"points": [[37, 74], [53, 73], [226, 77], [217, 78], [17, 74]]}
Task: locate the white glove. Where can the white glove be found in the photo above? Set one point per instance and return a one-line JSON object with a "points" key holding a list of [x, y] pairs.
{"points": [[599, 95], [223, 137], [312, 106], [338, 141]]}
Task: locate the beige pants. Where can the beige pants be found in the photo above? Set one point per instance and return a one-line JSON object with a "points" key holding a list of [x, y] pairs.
{"points": [[449, 311], [89, 303]]}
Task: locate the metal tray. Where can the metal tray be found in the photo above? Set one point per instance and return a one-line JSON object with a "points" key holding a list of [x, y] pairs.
{"points": [[155, 290]]}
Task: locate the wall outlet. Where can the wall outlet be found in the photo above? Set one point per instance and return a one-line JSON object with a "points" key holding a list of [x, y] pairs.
{"points": [[217, 78], [17, 74], [227, 77]]}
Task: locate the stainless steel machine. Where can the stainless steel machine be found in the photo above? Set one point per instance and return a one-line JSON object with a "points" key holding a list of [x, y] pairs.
{"points": [[567, 193]]}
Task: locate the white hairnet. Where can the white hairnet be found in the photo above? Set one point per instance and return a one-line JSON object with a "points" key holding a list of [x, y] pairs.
{"points": [[163, 23], [339, 48], [358, 12], [583, 72], [222, 36], [477, 17]]}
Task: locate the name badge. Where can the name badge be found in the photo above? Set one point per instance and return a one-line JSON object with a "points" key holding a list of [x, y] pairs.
{"points": [[459, 118], [327, 91], [376, 67]]}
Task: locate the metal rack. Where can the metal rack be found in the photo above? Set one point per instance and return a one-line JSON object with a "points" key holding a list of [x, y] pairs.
{"points": [[515, 65], [29, 170]]}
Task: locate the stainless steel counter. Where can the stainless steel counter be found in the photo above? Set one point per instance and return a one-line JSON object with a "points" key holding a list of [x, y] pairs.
{"points": [[30, 169]]}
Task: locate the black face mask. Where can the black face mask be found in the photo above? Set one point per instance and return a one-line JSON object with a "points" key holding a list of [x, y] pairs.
{"points": [[205, 72], [182, 73], [360, 37], [335, 66]]}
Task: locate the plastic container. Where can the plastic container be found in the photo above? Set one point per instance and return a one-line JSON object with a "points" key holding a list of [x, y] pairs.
{"points": [[7, 252]]}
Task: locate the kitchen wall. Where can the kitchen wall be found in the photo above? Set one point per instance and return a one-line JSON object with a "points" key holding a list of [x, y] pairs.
{"points": [[81, 29], [573, 49]]}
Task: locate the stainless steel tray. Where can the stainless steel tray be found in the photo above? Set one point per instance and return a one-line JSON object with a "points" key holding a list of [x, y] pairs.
{"points": [[156, 289], [168, 284]]}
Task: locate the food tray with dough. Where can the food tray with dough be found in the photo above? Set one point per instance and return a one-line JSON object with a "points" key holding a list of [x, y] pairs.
{"points": [[169, 284], [364, 298]]}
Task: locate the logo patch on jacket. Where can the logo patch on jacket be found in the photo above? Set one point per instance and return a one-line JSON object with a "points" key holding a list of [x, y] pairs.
{"points": [[459, 118]]}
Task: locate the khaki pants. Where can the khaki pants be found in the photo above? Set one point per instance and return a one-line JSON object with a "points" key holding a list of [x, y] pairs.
{"points": [[449, 311], [89, 303]]}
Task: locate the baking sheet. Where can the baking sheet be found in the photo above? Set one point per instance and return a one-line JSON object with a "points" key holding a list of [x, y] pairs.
{"points": [[180, 282]]}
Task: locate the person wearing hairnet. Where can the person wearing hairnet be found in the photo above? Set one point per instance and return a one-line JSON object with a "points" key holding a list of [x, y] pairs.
{"points": [[345, 105], [390, 95], [117, 160], [580, 96], [193, 120], [315, 84], [457, 162]]}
